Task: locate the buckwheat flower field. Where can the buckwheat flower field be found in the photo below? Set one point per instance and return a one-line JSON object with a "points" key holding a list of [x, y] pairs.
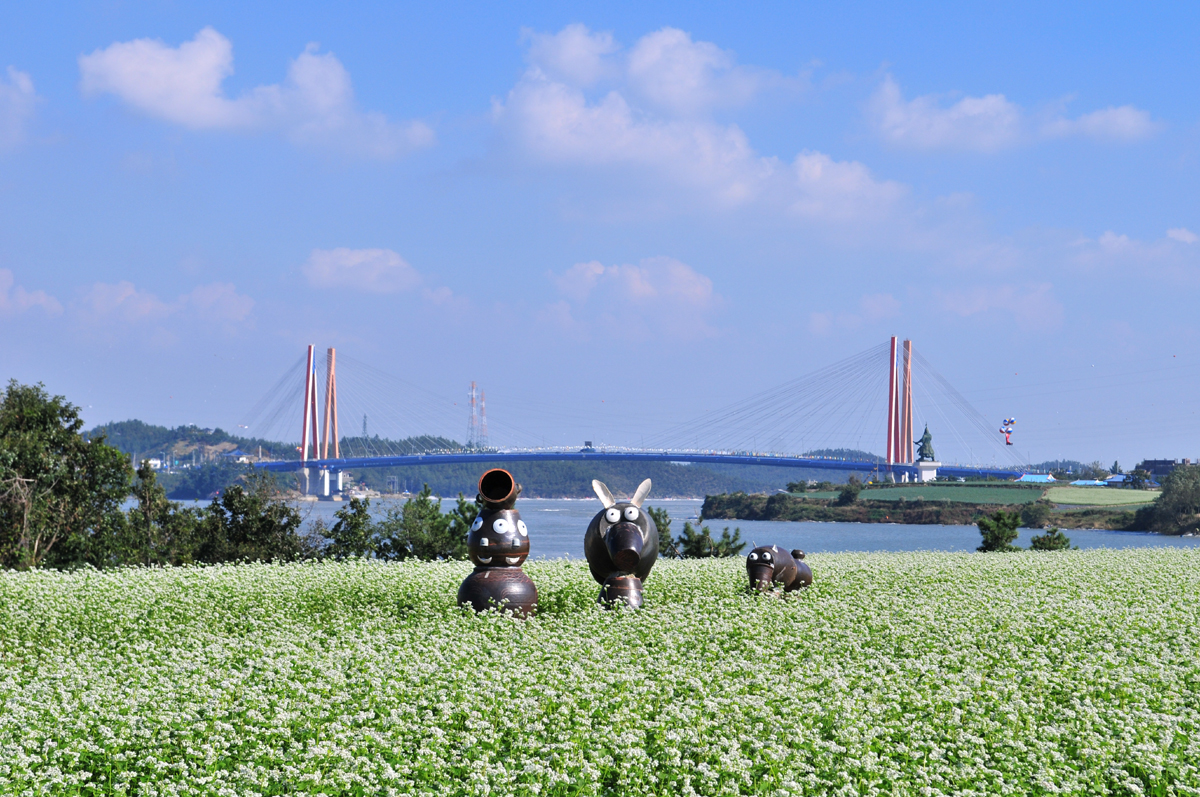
{"points": [[919, 673]]}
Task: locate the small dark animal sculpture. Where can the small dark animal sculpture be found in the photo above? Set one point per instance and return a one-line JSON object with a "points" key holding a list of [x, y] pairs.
{"points": [[621, 545], [498, 544], [769, 565]]}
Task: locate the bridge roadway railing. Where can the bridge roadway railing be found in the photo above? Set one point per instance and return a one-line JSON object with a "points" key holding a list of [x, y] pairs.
{"points": [[715, 458]]}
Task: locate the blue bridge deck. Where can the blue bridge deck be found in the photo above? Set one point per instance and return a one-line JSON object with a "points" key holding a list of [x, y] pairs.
{"points": [[353, 463]]}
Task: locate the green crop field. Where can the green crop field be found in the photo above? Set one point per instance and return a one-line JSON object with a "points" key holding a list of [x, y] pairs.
{"points": [[922, 673], [1100, 496], [966, 493]]}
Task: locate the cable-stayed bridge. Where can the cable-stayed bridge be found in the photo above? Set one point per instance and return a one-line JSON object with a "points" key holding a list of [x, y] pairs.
{"points": [[827, 420]]}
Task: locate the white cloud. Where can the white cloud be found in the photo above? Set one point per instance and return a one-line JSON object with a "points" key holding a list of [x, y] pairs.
{"points": [[14, 299], [219, 302], [989, 123], [183, 85], [1031, 306], [574, 54], [553, 121], [17, 103], [984, 124], [840, 190], [121, 304], [1125, 123], [371, 270], [1171, 257], [871, 308], [660, 296], [121, 301], [685, 77]]}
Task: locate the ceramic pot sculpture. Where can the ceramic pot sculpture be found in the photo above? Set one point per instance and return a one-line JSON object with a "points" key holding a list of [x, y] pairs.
{"points": [[498, 544], [768, 565], [621, 545]]}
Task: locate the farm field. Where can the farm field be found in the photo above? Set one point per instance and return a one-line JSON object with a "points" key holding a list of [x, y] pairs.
{"points": [[1029, 673], [967, 494], [1100, 496]]}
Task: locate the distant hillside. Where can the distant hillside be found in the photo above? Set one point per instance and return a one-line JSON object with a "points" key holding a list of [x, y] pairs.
{"points": [[844, 453], [147, 440], [184, 445], [574, 479]]}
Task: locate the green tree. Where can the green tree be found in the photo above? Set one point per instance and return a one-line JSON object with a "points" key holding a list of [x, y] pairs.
{"points": [[667, 547], [1037, 514], [199, 483], [57, 489], [849, 493], [1137, 479], [999, 531], [699, 543], [157, 531], [250, 523], [1116, 466], [1052, 540], [1177, 508], [420, 530], [353, 534], [461, 518]]}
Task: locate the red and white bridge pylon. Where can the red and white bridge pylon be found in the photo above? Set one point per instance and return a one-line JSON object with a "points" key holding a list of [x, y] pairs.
{"points": [[318, 483], [900, 407]]}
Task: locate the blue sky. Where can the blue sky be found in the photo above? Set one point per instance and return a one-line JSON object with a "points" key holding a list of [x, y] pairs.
{"points": [[612, 216]]}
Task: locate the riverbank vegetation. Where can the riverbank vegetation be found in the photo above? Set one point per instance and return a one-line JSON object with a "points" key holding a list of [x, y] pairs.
{"points": [[893, 673], [1173, 510]]}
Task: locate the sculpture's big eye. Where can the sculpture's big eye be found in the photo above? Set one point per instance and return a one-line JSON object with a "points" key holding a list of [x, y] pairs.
{"points": [[502, 526], [613, 515], [766, 557], [631, 513], [522, 528], [477, 525], [753, 557]]}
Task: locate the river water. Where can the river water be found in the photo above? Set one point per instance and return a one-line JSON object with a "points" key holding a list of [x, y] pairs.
{"points": [[556, 528]]}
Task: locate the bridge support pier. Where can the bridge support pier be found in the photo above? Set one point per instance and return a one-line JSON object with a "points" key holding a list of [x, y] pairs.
{"points": [[320, 482], [328, 484]]}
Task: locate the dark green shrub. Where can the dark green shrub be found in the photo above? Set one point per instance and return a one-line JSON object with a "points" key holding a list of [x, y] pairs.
{"points": [[1052, 540], [999, 531]]}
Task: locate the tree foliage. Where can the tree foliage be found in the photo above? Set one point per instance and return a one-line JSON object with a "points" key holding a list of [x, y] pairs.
{"points": [[1177, 508], [1052, 540], [1037, 514], [417, 530], [57, 489], [667, 546], [699, 543], [353, 533], [1137, 479], [61, 496], [849, 493], [999, 531], [247, 524]]}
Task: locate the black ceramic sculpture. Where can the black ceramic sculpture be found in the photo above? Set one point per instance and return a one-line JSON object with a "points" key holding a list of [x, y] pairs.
{"points": [[621, 545], [498, 544], [769, 565]]}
